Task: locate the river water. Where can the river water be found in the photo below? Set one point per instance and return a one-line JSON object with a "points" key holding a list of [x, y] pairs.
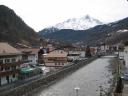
{"points": [[88, 79]]}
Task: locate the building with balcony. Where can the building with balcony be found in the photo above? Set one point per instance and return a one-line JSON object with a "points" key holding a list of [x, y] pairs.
{"points": [[30, 54], [55, 59], [10, 62]]}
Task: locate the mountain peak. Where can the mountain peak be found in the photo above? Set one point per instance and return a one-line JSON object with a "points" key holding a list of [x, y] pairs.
{"points": [[87, 16], [82, 23]]}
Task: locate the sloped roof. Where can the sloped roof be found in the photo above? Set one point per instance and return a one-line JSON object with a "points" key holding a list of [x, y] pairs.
{"points": [[29, 50], [56, 55], [6, 49]]}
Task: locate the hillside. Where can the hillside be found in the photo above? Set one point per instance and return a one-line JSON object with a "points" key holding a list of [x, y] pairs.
{"points": [[14, 30], [93, 35]]}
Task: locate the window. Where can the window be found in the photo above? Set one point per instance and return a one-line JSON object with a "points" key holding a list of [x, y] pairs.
{"points": [[1, 61], [1, 69], [13, 60], [13, 75], [7, 68], [51, 59], [14, 68], [7, 60]]}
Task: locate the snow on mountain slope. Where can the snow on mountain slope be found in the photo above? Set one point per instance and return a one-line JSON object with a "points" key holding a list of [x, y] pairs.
{"points": [[83, 23]]}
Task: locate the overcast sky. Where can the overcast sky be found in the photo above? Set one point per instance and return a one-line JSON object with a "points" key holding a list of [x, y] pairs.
{"points": [[39, 14]]}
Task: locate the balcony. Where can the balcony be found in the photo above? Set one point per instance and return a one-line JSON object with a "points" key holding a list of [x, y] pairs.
{"points": [[7, 73], [13, 64]]}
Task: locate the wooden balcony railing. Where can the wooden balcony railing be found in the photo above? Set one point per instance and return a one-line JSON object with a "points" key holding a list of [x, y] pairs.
{"points": [[7, 73], [12, 64]]}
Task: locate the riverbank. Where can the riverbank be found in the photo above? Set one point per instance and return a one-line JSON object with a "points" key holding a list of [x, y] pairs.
{"points": [[24, 89], [117, 66], [113, 68]]}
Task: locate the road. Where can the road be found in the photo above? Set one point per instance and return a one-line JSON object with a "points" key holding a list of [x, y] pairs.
{"points": [[88, 79]]}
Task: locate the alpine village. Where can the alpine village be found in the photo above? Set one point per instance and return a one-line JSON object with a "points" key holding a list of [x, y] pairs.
{"points": [[92, 61]]}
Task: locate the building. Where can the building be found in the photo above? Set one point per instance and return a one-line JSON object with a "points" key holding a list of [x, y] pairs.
{"points": [[124, 55], [73, 55], [30, 54], [81, 54], [55, 59], [50, 47], [93, 50], [10, 62], [126, 49], [104, 48]]}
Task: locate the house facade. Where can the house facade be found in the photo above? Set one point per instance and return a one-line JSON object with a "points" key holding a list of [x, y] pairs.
{"points": [[124, 55], [55, 59], [73, 55], [30, 54], [10, 62]]}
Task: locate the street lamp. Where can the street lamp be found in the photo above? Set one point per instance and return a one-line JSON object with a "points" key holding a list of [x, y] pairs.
{"points": [[77, 89]]}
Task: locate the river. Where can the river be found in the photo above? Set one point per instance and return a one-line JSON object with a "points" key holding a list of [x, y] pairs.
{"points": [[88, 79]]}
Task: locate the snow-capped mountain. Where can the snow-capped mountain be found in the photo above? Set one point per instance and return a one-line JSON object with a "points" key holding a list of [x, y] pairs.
{"points": [[83, 23]]}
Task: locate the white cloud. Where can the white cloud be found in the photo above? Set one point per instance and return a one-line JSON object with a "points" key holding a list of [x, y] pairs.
{"points": [[42, 13]]}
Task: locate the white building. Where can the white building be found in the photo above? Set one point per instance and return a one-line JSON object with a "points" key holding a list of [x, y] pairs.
{"points": [[30, 54], [104, 48], [82, 54], [125, 55], [73, 55]]}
